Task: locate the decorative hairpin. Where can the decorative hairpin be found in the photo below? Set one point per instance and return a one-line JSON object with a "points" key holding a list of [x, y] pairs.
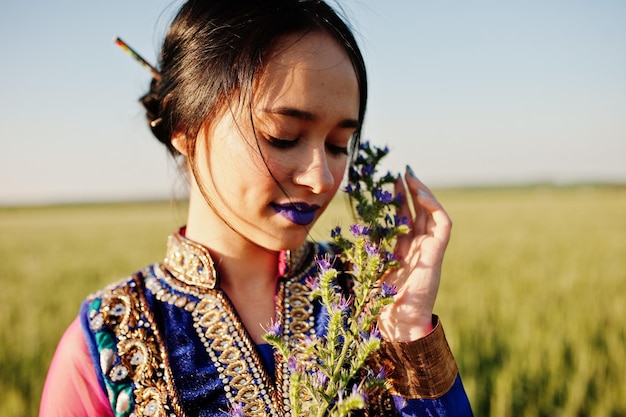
{"points": [[155, 74], [138, 58]]}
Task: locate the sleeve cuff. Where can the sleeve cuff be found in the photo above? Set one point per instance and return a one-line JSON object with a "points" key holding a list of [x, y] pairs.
{"points": [[424, 368]]}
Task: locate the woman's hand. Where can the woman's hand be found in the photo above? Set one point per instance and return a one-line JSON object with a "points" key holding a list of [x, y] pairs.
{"points": [[420, 253]]}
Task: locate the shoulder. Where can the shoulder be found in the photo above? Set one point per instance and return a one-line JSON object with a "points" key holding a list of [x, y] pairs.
{"points": [[72, 375], [123, 290], [128, 283], [115, 304], [109, 314], [122, 338]]}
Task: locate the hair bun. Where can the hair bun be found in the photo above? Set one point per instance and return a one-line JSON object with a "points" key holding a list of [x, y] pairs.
{"points": [[152, 104]]}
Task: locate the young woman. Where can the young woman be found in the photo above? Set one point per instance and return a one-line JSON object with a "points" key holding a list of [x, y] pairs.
{"points": [[264, 100]]}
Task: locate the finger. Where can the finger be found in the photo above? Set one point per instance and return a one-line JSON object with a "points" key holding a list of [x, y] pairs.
{"points": [[414, 183], [418, 188], [430, 214], [442, 224], [438, 222], [403, 211], [414, 187]]}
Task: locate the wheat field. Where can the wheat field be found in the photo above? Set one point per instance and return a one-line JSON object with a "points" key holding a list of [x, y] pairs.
{"points": [[532, 298]]}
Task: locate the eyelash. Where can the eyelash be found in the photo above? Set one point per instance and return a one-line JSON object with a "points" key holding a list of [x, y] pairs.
{"points": [[283, 143], [290, 143], [337, 150]]}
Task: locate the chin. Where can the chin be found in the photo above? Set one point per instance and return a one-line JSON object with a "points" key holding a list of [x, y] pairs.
{"points": [[288, 241]]}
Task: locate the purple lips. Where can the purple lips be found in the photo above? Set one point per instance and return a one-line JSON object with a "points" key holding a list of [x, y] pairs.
{"points": [[298, 213]]}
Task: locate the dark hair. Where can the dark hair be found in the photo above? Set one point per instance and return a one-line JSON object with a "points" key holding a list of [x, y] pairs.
{"points": [[213, 50]]}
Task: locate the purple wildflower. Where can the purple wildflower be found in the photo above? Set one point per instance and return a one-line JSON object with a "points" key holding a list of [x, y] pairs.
{"points": [[400, 221], [382, 373], [389, 290], [275, 329], [389, 177], [340, 393], [292, 364], [335, 232], [319, 379], [343, 305], [313, 282], [357, 391], [359, 230], [364, 145], [236, 410], [307, 342], [390, 257], [324, 264], [367, 170], [348, 189], [371, 249], [374, 333], [384, 197]]}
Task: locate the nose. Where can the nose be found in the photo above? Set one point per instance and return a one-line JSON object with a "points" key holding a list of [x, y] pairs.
{"points": [[314, 172]]}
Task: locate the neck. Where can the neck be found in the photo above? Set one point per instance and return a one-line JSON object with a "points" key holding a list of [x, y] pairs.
{"points": [[247, 272], [241, 264]]}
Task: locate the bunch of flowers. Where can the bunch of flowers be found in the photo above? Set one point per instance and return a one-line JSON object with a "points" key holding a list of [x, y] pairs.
{"points": [[330, 374]]}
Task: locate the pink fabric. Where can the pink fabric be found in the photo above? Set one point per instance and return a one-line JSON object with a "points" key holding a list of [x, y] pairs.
{"points": [[72, 387]]}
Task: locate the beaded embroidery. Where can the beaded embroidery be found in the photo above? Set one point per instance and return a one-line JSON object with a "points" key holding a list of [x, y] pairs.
{"points": [[190, 262], [133, 356]]}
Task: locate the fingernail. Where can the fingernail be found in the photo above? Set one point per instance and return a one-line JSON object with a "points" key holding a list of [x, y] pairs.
{"points": [[410, 171], [422, 192]]}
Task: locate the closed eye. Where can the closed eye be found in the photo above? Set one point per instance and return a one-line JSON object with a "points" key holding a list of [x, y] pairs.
{"points": [[282, 143], [336, 149]]}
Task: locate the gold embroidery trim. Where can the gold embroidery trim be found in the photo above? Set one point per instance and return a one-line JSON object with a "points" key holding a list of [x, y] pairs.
{"points": [[232, 352], [141, 352], [190, 262]]}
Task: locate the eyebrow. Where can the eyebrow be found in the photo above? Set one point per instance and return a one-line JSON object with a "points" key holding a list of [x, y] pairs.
{"points": [[309, 117]]}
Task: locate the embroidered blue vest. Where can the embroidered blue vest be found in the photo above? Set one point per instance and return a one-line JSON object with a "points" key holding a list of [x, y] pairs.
{"points": [[169, 342]]}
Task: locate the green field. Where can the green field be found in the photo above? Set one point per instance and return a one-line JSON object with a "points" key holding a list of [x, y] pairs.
{"points": [[533, 297]]}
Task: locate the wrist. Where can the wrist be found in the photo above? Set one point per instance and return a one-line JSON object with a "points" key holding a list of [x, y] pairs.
{"points": [[394, 330]]}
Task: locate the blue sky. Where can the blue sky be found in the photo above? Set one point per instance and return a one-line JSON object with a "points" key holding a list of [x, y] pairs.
{"points": [[467, 92]]}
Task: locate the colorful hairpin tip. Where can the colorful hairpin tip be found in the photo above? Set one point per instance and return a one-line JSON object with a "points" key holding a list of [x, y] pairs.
{"points": [[119, 42]]}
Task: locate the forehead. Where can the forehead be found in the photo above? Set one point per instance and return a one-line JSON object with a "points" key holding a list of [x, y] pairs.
{"points": [[306, 68], [315, 51]]}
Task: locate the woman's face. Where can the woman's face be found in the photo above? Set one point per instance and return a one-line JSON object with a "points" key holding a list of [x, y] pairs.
{"points": [[271, 178]]}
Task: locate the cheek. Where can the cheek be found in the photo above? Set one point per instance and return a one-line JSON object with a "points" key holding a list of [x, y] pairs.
{"points": [[246, 157], [280, 166], [260, 166]]}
